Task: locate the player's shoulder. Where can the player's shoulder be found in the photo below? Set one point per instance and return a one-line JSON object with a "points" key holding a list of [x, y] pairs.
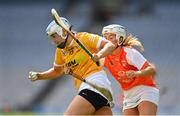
{"points": [[130, 49], [85, 34], [132, 53], [81, 34], [58, 50]]}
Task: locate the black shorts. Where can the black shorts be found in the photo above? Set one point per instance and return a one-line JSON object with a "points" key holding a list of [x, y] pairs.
{"points": [[97, 100]]}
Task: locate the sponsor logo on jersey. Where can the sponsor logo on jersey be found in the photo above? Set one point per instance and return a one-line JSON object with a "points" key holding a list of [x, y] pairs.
{"points": [[75, 62]]}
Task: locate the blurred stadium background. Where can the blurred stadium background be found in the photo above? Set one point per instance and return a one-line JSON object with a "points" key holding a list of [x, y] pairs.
{"points": [[24, 47]]}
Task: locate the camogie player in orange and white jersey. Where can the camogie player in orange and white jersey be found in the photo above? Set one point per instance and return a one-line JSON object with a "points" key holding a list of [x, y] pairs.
{"points": [[69, 55], [134, 73]]}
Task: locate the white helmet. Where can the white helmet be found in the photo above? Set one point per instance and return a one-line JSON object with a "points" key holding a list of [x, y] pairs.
{"points": [[54, 28], [116, 29]]}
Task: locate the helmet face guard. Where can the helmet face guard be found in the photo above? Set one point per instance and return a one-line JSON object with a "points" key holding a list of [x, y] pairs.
{"points": [[63, 44], [54, 28], [118, 30]]}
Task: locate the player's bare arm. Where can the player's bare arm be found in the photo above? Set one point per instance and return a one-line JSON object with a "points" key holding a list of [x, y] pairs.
{"points": [[150, 70], [52, 73], [106, 48]]}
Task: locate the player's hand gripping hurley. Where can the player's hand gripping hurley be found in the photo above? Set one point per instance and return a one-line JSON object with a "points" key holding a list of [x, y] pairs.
{"points": [[62, 25]]}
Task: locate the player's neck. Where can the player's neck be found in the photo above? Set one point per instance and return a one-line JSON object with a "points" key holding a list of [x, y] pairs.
{"points": [[116, 51], [69, 41]]}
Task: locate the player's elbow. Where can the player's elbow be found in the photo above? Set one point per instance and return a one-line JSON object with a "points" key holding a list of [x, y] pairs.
{"points": [[153, 70], [58, 71]]}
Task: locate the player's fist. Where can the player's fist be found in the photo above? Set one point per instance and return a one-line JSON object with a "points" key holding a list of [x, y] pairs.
{"points": [[33, 76], [95, 57]]}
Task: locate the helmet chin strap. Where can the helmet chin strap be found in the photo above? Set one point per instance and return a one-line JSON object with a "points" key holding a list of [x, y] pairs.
{"points": [[117, 46], [63, 44]]}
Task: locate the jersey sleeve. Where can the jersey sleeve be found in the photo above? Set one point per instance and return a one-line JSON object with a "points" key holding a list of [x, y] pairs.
{"points": [[90, 40], [135, 58], [58, 61]]}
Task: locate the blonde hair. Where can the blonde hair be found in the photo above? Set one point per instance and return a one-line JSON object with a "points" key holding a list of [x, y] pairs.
{"points": [[133, 41]]}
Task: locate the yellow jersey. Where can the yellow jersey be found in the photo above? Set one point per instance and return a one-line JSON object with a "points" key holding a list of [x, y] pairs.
{"points": [[75, 58]]}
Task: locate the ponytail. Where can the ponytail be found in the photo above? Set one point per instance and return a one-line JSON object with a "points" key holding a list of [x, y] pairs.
{"points": [[133, 41]]}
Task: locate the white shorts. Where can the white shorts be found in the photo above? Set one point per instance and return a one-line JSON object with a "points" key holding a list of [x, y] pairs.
{"points": [[98, 78], [138, 94]]}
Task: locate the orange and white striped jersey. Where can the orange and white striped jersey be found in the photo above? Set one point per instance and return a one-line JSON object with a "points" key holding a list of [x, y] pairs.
{"points": [[75, 58], [128, 59]]}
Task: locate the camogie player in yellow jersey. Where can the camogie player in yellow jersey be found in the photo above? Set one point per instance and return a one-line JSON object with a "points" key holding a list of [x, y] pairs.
{"points": [[69, 55]]}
